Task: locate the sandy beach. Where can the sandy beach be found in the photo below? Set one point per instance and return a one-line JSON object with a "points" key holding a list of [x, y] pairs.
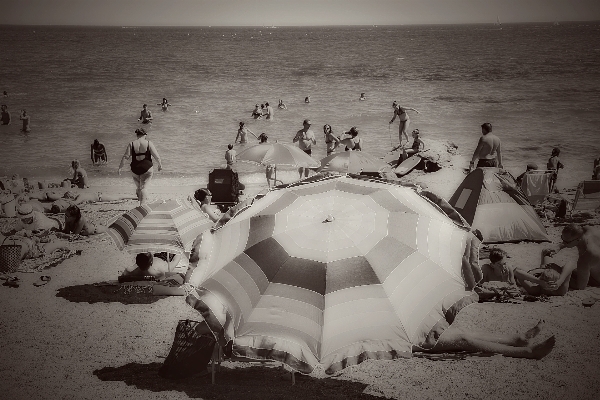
{"points": [[69, 340]]}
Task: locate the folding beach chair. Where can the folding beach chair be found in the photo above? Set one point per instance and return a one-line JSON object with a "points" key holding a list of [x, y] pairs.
{"points": [[224, 186], [587, 196], [536, 185]]}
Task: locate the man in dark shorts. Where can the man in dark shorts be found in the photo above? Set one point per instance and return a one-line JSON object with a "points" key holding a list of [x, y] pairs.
{"points": [[145, 115], [306, 139], [5, 119], [488, 152]]}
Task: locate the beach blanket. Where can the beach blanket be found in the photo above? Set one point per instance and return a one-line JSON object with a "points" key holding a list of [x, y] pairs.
{"points": [[39, 264]]}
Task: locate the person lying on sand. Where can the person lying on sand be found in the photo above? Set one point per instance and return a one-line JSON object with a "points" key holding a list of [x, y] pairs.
{"points": [[76, 223], [30, 221], [70, 198], [586, 269], [519, 345]]}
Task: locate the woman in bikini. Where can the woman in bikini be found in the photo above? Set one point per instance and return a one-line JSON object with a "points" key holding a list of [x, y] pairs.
{"points": [[330, 140], [400, 112], [141, 152], [243, 132], [98, 153]]}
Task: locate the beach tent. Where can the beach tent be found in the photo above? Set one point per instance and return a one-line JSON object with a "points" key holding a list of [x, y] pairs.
{"points": [[491, 201], [332, 271]]}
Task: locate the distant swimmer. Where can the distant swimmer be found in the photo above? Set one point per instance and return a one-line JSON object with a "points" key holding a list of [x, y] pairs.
{"points": [[25, 118], [145, 115], [282, 105], [243, 132], [5, 93], [5, 117], [164, 105], [257, 113], [269, 112], [488, 152], [98, 153], [400, 112], [362, 97], [307, 99]]}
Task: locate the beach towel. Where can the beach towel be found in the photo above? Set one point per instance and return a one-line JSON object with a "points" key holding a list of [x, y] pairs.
{"points": [[39, 264], [536, 185]]}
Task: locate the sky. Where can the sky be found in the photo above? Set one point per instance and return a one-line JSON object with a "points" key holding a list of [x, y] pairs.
{"points": [[291, 12]]}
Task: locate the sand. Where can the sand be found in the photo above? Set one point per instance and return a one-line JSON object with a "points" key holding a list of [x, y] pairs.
{"points": [[59, 343]]}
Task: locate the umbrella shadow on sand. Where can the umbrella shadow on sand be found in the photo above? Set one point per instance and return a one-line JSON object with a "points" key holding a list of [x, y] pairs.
{"points": [[103, 293], [264, 382]]}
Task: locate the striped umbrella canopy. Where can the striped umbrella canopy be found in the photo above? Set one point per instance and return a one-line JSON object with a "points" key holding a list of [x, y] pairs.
{"points": [[333, 272], [353, 162], [277, 154], [170, 226]]}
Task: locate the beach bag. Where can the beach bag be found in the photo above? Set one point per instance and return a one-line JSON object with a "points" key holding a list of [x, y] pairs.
{"points": [[10, 256], [190, 353]]}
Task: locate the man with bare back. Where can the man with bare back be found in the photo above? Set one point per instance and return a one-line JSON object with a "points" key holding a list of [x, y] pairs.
{"points": [[488, 152]]}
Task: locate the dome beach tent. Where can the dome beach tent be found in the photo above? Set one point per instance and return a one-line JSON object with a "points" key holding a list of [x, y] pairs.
{"points": [[332, 271], [490, 200]]}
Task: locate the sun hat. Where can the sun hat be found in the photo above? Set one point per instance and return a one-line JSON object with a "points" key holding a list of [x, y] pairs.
{"points": [[25, 211]]}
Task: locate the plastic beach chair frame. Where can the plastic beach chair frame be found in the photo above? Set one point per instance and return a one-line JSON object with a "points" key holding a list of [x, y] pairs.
{"points": [[587, 196]]}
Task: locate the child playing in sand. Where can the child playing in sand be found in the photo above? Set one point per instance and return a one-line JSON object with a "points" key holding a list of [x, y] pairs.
{"points": [[76, 223]]}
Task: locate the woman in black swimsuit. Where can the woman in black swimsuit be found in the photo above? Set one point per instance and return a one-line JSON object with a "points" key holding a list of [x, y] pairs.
{"points": [[141, 152]]}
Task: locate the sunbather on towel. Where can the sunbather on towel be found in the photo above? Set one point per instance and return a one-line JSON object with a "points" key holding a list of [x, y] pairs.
{"points": [[519, 345], [76, 223], [148, 265], [70, 198]]}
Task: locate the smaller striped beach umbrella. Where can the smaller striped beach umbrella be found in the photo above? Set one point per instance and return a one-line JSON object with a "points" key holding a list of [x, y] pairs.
{"points": [[353, 162], [164, 226], [277, 154]]}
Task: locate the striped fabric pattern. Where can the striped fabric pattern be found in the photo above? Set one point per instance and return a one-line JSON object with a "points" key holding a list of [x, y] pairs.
{"points": [[170, 226], [335, 272]]}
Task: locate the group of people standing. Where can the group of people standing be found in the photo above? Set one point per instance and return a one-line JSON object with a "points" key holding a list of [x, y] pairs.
{"points": [[5, 118]]}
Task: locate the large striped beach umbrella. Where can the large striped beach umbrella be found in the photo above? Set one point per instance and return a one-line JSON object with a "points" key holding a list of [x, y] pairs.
{"points": [[353, 162], [333, 271], [170, 226]]}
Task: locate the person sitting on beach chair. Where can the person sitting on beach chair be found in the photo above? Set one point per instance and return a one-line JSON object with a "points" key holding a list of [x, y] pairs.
{"points": [[203, 197]]}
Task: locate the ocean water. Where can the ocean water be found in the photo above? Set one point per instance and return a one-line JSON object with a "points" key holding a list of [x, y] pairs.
{"points": [[538, 84]]}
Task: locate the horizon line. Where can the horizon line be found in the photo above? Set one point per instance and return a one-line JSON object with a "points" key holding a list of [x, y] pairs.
{"points": [[300, 26]]}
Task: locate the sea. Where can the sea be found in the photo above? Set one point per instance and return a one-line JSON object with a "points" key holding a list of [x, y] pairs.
{"points": [[538, 84]]}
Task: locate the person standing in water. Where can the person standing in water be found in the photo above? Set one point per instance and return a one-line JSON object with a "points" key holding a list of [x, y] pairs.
{"points": [[164, 105], [489, 150], [282, 105], [145, 115], [269, 112], [98, 153], [242, 133], [5, 117], [400, 112], [25, 118]]}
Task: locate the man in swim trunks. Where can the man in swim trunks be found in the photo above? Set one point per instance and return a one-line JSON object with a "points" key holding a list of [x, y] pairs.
{"points": [[145, 115], [489, 150], [306, 139], [5, 118], [269, 112]]}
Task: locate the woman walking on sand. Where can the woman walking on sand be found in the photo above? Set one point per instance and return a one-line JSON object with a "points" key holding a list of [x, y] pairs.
{"points": [[141, 152], [400, 112]]}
